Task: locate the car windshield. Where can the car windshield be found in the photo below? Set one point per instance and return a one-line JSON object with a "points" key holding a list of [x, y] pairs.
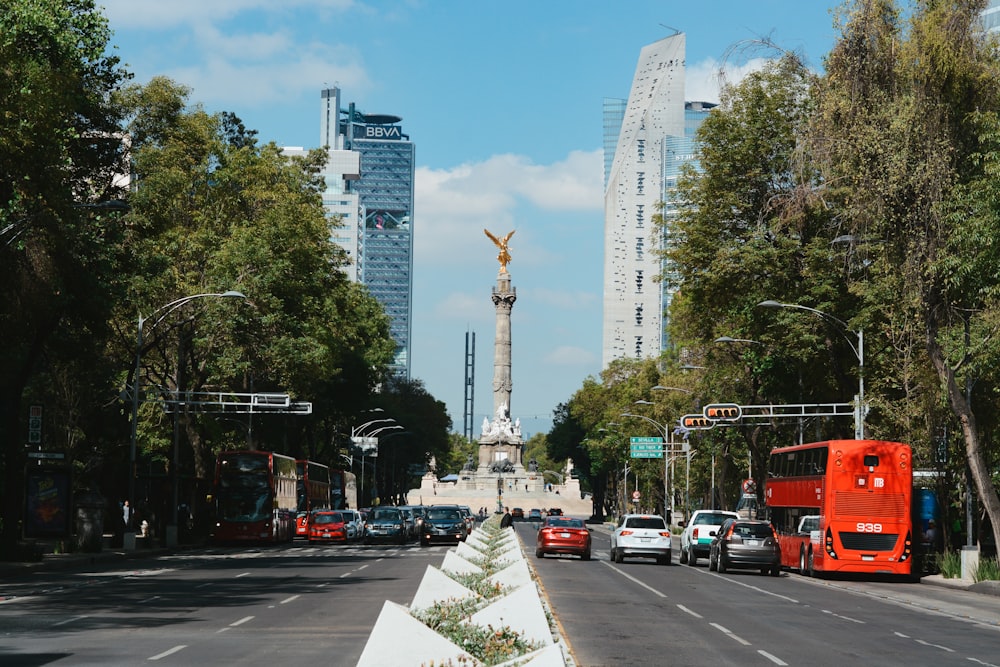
{"points": [[654, 522], [566, 522], [711, 519], [328, 518], [385, 515], [753, 530], [438, 515]]}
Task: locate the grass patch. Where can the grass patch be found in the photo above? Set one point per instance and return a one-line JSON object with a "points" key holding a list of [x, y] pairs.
{"points": [[949, 564], [988, 570]]}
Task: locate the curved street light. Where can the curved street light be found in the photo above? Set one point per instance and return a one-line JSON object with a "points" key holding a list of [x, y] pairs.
{"points": [[163, 312], [859, 351], [668, 496], [358, 433]]}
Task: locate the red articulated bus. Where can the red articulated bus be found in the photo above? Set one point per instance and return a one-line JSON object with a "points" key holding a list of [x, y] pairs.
{"points": [[254, 497], [313, 491], [843, 506]]}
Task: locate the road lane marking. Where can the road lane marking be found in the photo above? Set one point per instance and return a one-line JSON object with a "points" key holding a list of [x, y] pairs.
{"points": [[841, 616], [241, 621], [150, 599], [287, 600], [244, 574], [208, 583], [634, 580], [729, 632], [346, 574], [70, 620], [688, 611], [175, 649], [751, 587], [772, 658]]}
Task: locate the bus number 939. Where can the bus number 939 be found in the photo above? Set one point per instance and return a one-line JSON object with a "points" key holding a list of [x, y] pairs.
{"points": [[869, 527]]}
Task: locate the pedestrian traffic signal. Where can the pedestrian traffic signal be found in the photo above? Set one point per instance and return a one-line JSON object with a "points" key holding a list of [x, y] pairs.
{"points": [[694, 422], [724, 412]]}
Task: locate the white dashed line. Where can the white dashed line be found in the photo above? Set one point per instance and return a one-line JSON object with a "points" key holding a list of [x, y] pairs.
{"points": [[688, 611], [730, 633], [287, 600], [175, 649], [241, 621], [69, 620], [776, 660]]}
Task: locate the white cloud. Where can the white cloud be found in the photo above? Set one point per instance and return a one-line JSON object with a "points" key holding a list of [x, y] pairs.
{"points": [[453, 206], [703, 81]]}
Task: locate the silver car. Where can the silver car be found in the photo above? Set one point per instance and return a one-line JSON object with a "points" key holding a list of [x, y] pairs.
{"points": [[641, 536], [355, 525]]}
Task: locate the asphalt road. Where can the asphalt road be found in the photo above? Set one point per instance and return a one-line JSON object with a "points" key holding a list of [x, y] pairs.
{"points": [[299, 604], [639, 613], [285, 605]]}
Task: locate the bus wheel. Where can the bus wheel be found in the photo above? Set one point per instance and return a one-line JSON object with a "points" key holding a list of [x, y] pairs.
{"points": [[812, 564], [802, 563]]}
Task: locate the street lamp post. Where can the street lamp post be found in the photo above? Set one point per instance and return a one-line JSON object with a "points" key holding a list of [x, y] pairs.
{"points": [[668, 496], [162, 311], [858, 349], [358, 433]]}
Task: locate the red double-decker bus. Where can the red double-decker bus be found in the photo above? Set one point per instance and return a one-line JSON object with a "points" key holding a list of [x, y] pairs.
{"points": [[255, 498], [843, 506], [313, 490]]}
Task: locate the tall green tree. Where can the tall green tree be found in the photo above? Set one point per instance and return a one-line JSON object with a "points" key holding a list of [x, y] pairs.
{"points": [[214, 211], [60, 268], [906, 131]]}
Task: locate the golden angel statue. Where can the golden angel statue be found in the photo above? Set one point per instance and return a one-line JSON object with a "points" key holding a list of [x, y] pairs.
{"points": [[504, 256]]}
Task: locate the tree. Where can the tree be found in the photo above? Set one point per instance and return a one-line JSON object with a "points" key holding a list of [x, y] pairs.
{"points": [[906, 133], [214, 211], [60, 264]]}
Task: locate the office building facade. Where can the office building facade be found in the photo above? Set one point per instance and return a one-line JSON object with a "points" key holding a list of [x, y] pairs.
{"points": [[376, 205], [634, 300]]}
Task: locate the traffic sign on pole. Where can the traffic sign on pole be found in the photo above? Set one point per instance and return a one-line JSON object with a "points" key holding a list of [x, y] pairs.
{"points": [[646, 447]]}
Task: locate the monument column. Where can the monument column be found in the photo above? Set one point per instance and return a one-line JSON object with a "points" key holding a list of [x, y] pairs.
{"points": [[503, 300]]}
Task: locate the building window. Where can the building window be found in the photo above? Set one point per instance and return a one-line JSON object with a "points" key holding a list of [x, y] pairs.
{"points": [[638, 315], [638, 281]]}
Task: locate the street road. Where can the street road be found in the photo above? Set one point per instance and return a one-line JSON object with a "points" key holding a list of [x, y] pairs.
{"points": [[639, 613], [299, 604], [284, 605]]}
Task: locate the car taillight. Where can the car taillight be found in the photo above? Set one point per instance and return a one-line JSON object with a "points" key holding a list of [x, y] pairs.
{"points": [[664, 533], [626, 532]]}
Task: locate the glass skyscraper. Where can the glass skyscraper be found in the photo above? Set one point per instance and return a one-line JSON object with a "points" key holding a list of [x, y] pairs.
{"points": [[379, 236]]}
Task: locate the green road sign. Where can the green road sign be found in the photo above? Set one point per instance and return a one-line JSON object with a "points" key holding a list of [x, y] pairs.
{"points": [[646, 448]]}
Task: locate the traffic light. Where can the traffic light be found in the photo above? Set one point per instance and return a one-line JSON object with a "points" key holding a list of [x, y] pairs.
{"points": [[694, 422], [725, 412]]}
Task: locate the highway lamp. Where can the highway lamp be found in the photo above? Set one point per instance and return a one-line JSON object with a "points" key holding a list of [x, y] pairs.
{"points": [[162, 312], [859, 351]]}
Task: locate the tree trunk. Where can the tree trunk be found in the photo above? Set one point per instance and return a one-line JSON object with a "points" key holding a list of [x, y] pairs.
{"points": [[974, 453]]}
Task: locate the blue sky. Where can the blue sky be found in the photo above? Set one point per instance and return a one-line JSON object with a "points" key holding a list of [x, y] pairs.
{"points": [[504, 103]]}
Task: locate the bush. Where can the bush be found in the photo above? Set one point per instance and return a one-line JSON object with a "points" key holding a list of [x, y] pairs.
{"points": [[988, 570], [949, 564]]}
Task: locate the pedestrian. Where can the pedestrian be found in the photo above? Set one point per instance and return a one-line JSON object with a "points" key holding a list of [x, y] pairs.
{"points": [[507, 521], [127, 516], [930, 535]]}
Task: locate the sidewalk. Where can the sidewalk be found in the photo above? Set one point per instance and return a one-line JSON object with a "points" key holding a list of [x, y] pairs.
{"points": [[981, 587]]}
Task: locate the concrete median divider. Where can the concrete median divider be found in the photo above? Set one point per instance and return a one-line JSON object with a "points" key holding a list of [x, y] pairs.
{"points": [[482, 607]]}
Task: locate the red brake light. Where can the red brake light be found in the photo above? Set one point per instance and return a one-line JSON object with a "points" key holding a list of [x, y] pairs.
{"points": [[664, 533], [626, 532]]}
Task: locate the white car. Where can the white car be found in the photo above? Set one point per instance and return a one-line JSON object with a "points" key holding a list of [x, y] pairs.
{"points": [[355, 525], [641, 536], [699, 531]]}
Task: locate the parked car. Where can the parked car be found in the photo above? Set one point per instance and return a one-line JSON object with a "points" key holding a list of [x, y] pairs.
{"points": [[534, 515], [355, 524], [385, 524], [745, 543], [562, 535], [327, 526], [443, 524], [699, 531], [642, 536]]}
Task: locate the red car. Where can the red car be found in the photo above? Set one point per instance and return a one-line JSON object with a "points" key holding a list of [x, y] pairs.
{"points": [[327, 526], [563, 535]]}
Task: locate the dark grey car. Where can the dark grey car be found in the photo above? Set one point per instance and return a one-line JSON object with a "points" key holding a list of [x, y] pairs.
{"points": [[742, 543]]}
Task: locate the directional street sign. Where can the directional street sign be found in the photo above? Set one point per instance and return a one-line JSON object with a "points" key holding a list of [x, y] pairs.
{"points": [[646, 448]]}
